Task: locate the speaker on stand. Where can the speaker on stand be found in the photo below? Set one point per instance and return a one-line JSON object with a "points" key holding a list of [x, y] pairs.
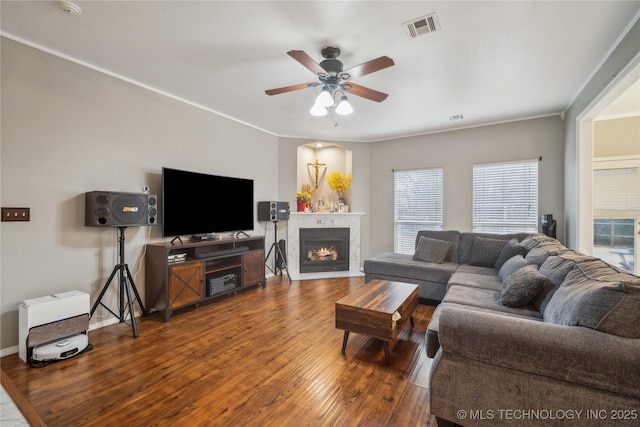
{"points": [[115, 209], [275, 212]]}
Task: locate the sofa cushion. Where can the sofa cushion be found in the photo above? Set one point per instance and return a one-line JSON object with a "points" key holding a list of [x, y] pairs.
{"points": [[521, 286], [513, 264], [401, 266], [431, 250], [601, 304], [485, 299], [485, 251], [511, 249], [474, 269], [483, 281], [452, 236]]}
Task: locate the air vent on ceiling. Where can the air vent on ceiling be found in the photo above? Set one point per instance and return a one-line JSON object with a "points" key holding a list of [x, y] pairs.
{"points": [[421, 26]]}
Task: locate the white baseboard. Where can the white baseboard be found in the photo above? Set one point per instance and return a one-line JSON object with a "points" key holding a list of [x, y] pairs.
{"points": [[107, 322], [7, 351]]}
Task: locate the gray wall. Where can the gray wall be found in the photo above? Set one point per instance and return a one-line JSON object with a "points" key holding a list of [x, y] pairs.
{"points": [[456, 152], [67, 130], [620, 57]]}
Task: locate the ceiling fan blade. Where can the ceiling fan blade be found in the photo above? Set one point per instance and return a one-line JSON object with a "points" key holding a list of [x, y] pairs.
{"points": [[367, 68], [308, 62], [290, 88], [364, 92]]}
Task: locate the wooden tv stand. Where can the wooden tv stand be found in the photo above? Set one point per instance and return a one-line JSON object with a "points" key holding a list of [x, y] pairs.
{"points": [[203, 271]]}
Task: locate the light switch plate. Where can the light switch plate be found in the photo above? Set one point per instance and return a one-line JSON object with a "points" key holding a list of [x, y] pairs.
{"points": [[16, 214]]}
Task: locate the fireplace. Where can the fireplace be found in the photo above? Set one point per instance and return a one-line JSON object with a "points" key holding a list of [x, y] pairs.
{"points": [[324, 249]]}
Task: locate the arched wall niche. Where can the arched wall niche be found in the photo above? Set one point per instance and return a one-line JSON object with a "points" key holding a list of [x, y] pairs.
{"points": [[314, 164]]}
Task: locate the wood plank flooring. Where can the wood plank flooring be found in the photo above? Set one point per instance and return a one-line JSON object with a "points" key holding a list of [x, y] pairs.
{"points": [[266, 356]]}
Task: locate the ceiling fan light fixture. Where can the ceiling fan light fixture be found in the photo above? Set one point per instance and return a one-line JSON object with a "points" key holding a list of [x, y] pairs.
{"points": [[318, 110], [325, 99], [344, 108]]}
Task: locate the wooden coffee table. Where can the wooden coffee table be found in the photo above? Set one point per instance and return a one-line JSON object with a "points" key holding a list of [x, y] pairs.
{"points": [[370, 310]]}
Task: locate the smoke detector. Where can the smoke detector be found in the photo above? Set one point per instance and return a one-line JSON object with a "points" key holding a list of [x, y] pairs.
{"points": [[70, 8]]}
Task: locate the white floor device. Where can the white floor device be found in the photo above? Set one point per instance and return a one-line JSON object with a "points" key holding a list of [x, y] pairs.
{"points": [[53, 327]]}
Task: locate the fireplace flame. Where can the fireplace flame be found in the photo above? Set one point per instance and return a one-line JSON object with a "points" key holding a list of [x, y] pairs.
{"points": [[323, 252]]}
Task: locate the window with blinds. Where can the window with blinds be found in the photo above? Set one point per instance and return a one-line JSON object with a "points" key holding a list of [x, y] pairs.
{"points": [[505, 197], [616, 193], [418, 199]]}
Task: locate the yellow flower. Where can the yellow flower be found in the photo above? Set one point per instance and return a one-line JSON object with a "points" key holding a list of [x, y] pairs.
{"points": [[303, 196], [338, 182]]}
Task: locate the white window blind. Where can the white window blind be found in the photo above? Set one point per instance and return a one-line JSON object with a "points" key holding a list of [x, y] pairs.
{"points": [[616, 193], [417, 205], [505, 197]]}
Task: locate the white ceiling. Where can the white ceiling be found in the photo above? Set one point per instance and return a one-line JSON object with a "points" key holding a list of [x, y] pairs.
{"points": [[492, 61]]}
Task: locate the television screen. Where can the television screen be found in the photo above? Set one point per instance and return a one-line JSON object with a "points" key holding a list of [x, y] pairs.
{"points": [[198, 203]]}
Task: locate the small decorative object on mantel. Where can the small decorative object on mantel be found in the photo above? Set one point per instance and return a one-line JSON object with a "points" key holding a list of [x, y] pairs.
{"points": [[302, 198], [340, 184], [321, 205]]}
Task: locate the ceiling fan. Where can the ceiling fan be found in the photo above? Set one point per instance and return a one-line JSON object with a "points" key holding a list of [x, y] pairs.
{"points": [[334, 79]]}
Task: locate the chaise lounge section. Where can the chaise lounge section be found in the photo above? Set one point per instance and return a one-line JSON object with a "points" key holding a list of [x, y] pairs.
{"points": [[431, 271]]}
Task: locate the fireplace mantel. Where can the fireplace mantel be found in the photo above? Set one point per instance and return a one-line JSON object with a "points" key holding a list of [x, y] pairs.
{"points": [[298, 220]]}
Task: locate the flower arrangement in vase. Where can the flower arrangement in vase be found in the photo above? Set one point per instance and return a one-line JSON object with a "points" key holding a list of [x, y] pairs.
{"points": [[303, 198], [340, 184]]}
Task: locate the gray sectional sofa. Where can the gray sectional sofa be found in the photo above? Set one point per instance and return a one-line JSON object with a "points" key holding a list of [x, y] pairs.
{"points": [[545, 336]]}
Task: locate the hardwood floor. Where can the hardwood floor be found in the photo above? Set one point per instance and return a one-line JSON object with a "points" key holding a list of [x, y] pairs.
{"points": [[267, 356]]}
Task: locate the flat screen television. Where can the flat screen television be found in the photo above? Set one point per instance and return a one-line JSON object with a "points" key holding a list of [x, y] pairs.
{"points": [[197, 203]]}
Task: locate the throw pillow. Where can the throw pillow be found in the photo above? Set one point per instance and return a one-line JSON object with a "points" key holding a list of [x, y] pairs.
{"points": [[485, 252], [513, 264], [511, 249], [522, 286], [530, 241], [537, 256], [431, 250]]}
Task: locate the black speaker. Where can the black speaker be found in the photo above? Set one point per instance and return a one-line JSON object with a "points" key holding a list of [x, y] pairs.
{"points": [[273, 211], [281, 262], [113, 209], [548, 225]]}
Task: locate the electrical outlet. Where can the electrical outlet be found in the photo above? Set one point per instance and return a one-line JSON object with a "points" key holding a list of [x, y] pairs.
{"points": [[16, 214]]}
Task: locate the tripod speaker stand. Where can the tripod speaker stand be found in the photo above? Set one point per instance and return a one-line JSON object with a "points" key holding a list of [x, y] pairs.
{"points": [[126, 286], [280, 261]]}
